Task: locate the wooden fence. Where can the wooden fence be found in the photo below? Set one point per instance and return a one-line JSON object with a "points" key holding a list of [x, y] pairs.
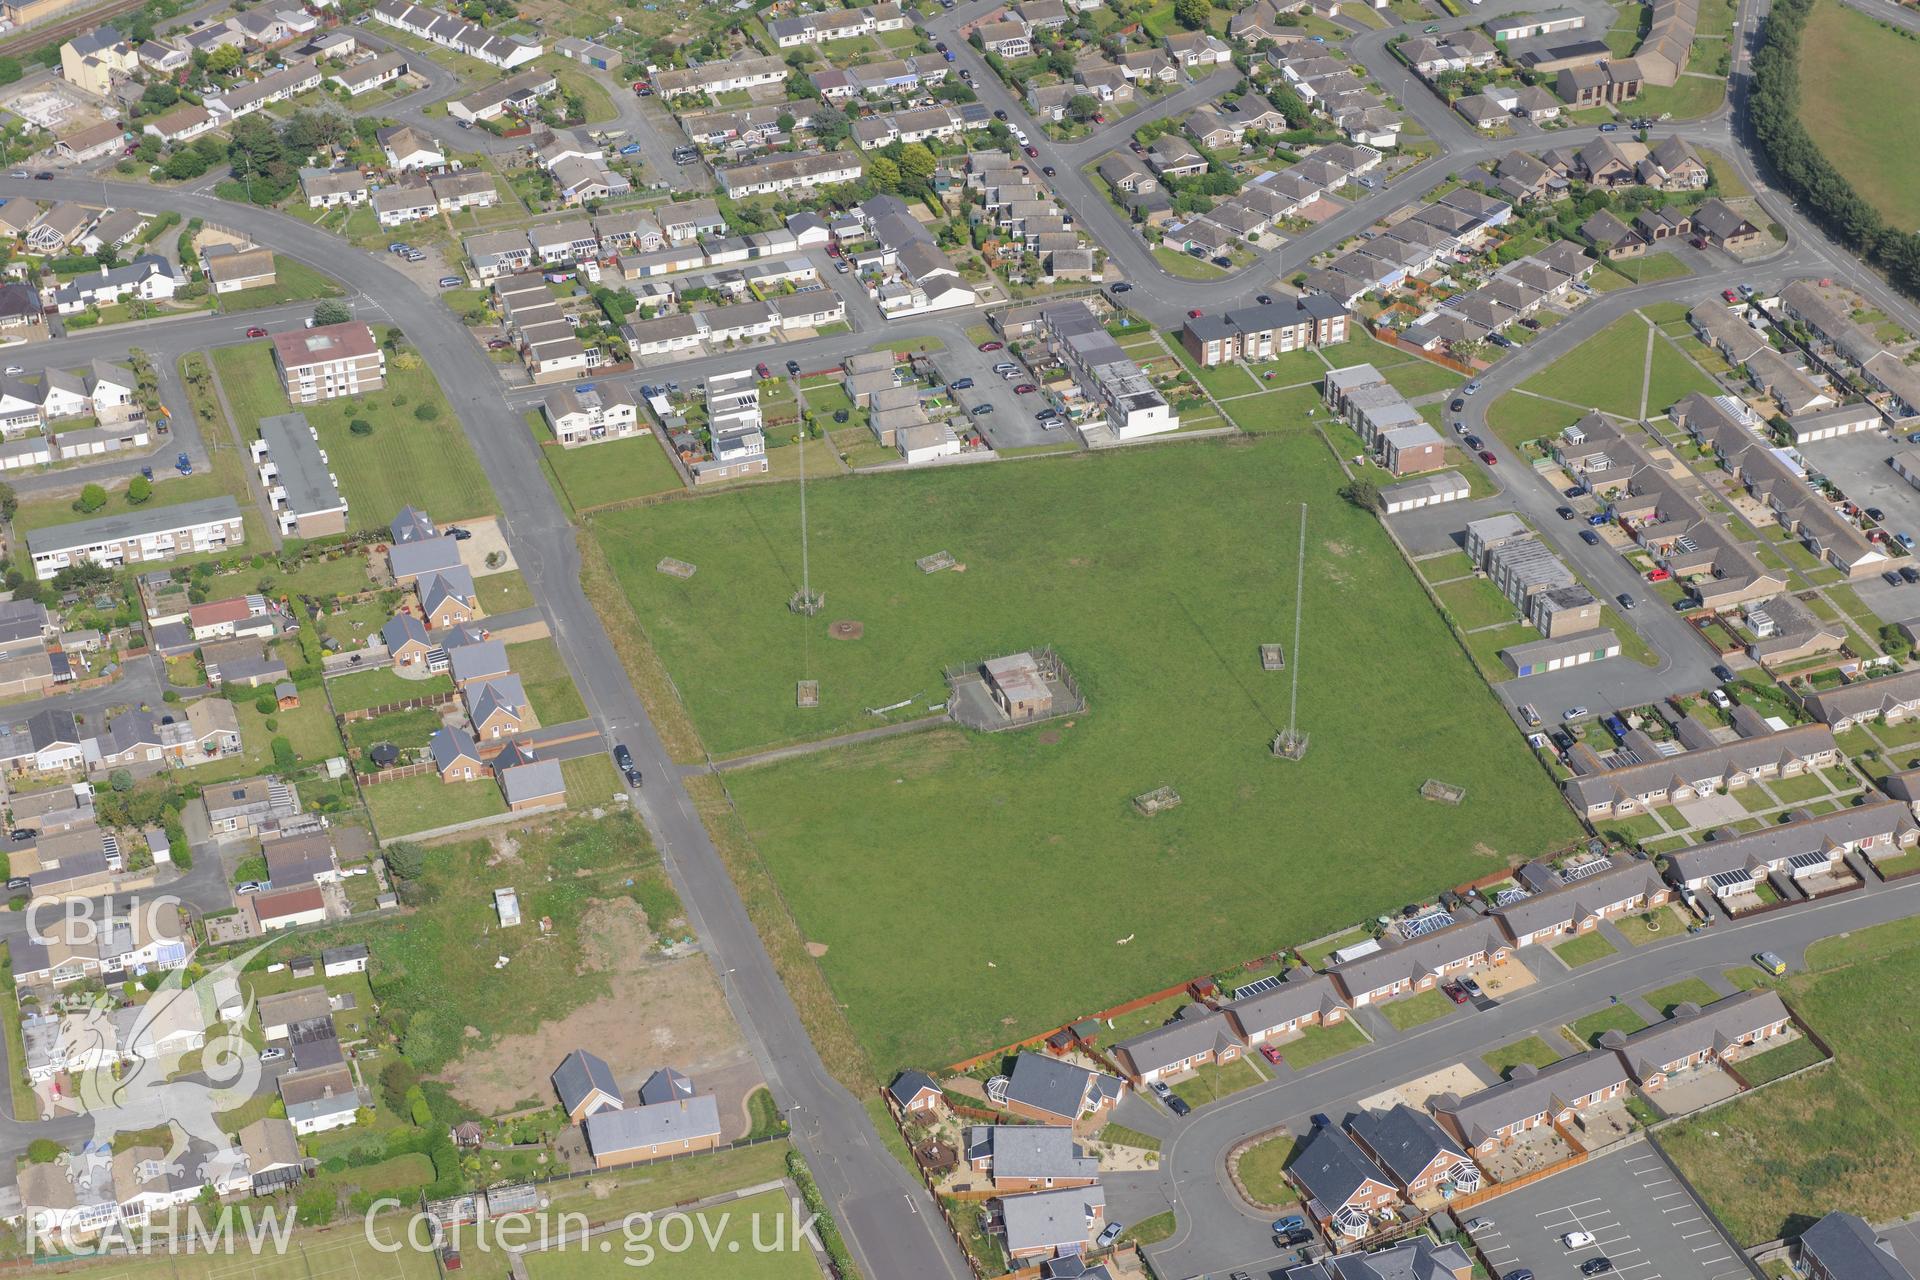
{"points": [[410, 704], [395, 774]]}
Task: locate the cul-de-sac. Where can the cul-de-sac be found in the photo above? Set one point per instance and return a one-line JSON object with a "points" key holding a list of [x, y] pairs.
{"points": [[960, 639]]}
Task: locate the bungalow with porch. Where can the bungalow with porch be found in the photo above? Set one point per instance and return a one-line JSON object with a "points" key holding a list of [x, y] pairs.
{"points": [[1890, 698], [1049, 1090], [1694, 1036], [1606, 890], [1531, 1098], [1404, 967], [1597, 791], [1305, 999], [1197, 1037], [1803, 848]]}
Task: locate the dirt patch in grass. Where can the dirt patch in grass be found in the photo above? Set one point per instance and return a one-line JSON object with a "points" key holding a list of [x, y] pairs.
{"points": [[659, 1011], [847, 629]]}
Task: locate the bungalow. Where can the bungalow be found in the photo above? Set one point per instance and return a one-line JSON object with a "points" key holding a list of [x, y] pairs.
{"points": [[1807, 846], [363, 77], [1196, 1037], [1198, 49], [1894, 698], [1602, 890], [1049, 1090], [1413, 1150], [1345, 1191], [1597, 791], [915, 1093], [674, 1127], [320, 1098], [1402, 967], [1722, 228], [1029, 1157], [398, 205], [537, 784], [285, 908], [1530, 1098], [455, 756], [328, 188], [498, 707], [1049, 1224], [1695, 1036], [407, 148], [1006, 38]]}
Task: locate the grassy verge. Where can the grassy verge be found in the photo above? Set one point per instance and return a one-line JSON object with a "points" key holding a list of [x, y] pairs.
{"points": [[1619, 1017], [1584, 949], [1214, 1082], [1150, 1231], [1263, 1170], [1417, 1010], [637, 655], [1533, 1051]]}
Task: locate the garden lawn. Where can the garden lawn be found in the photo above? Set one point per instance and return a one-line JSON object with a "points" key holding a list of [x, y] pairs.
{"points": [[1263, 1170], [405, 460], [1773, 1063], [1614, 1017], [1848, 64], [1176, 698], [1475, 603], [612, 471], [1688, 98], [425, 804], [1212, 1083], [591, 780], [1416, 1010], [1292, 409], [1533, 1051], [1515, 417], [364, 690], [1317, 1044], [549, 686], [1847, 1135], [293, 282], [1663, 999], [1584, 949]]}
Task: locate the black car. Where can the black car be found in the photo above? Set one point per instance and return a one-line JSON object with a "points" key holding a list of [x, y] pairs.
{"points": [[1177, 1104], [1122, 287], [1892, 578], [1561, 739], [1264, 299], [43, 177], [1221, 260], [20, 833], [458, 534], [1589, 537], [1723, 674], [1521, 1274], [1910, 573], [1299, 1236], [1457, 405], [1565, 513], [1473, 442], [624, 758], [1876, 515], [1596, 1266], [999, 115], [793, 368], [1574, 490], [1048, 170]]}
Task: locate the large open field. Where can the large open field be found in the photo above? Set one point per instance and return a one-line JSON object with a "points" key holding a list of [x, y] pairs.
{"points": [[722, 1246], [1846, 1136], [405, 460], [1850, 68], [994, 874]]}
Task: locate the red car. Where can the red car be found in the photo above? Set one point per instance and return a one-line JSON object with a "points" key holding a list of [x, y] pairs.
{"points": [[1730, 295], [256, 332], [1195, 314], [762, 370], [1025, 389], [1486, 456], [992, 346], [1270, 1053], [1032, 152], [498, 344], [1455, 992]]}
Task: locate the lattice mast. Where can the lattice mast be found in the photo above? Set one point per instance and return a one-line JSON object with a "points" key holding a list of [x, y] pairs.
{"points": [[805, 601], [1290, 743]]}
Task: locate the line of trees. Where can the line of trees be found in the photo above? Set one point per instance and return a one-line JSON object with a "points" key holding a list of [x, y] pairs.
{"points": [[1803, 169]]}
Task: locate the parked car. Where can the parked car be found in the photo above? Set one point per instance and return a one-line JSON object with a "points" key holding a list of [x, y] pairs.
{"points": [[1221, 260], [1121, 286], [1113, 1229], [793, 368], [1909, 574], [1000, 115], [1609, 128], [1486, 456], [1770, 962], [1565, 513], [498, 344], [451, 282], [248, 886], [146, 473], [960, 384], [1722, 673], [993, 346], [1270, 1053], [1520, 1274], [1177, 1104], [1195, 314], [1457, 405], [631, 149], [1027, 389], [981, 410], [1730, 295], [1596, 1266], [1455, 992], [1160, 1089], [1459, 427], [1597, 519], [1577, 1239], [1033, 152], [272, 1053], [1891, 578], [1573, 715], [1473, 988], [1048, 169], [43, 176], [1470, 389], [458, 534], [1719, 698], [1292, 1222], [1574, 490], [1480, 1224], [183, 464], [1473, 442], [762, 370]]}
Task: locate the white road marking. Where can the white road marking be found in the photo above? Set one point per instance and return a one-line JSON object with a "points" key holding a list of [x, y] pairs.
{"points": [[1671, 1195]]}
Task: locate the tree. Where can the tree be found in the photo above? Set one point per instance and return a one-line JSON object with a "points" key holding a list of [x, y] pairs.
{"points": [[44, 1151], [330, 313], [226, 60], [360, 427], [830, 126], [1191, 14], [884, 174], [121, 780], [1362, 493], [91, 499], [9, 502], [406, 859], [426, 411], [1083, 107], [139, 489], [916, 164]]}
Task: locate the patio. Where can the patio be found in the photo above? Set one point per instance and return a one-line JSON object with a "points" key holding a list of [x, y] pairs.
{"points": [[1688, 1091], [1532, 1151], [1714, 810], [1602, 1125]]}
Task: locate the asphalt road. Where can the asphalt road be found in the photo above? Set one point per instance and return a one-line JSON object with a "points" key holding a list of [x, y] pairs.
{"points": [[873, 1196]]}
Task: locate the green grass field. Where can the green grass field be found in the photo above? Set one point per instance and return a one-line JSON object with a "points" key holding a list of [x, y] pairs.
{"points": [[1263, 1169], [1533, 1051], [404, 461], [1176, 696], [425, 804], [1849, 68], [549, 687], [366, 689], [723, 1248], [1847, 1135], [344, 1253], [612, 471], [293, 282], [1618, 1017]]}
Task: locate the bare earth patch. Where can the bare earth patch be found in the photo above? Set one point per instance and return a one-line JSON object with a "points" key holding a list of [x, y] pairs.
{"points": [[847, 629], [816, 949]]}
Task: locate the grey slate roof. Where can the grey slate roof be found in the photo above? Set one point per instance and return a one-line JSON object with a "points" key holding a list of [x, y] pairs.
{"points": [[1774, 845], [401, 628], [1865, 699], [1582, 898], [502, 693], [448, 745], [1301, 994], [578, 1075], [1416, 1259], [1030, 1151], [412, 524], [132, 524], [1847, 1246], [1197, 1030], [429, 555], [1531, 1092], [1049, 1218], [908, 1083], [665, 1085], [476, 661], [1332, 1167], [1404, 1140], [609, 1133], [1692, 1029], [1416, 959], [1055, 1087], [533, 781]]}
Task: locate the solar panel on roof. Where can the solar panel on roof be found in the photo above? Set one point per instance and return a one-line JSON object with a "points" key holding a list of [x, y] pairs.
{"points": [[1730, 879], [1801, 861], [1272, 982]]}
